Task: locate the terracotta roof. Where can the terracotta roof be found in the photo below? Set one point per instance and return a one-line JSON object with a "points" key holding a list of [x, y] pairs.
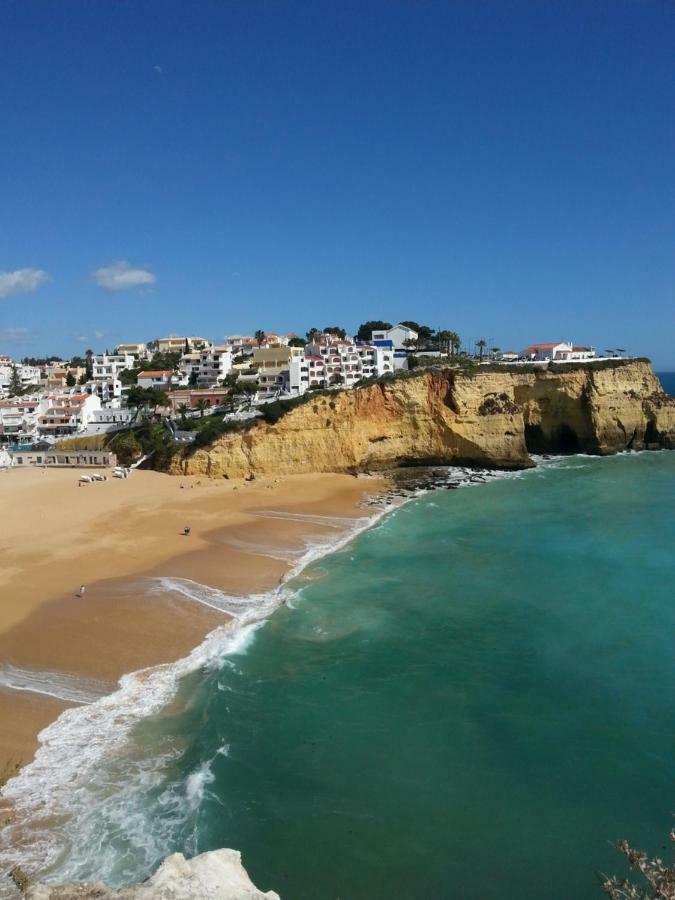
{"points": [[152, 373], [535, 347]]}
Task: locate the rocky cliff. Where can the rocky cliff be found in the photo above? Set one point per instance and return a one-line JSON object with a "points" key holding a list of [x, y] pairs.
{"points": [[218, 875], [493, 417]]}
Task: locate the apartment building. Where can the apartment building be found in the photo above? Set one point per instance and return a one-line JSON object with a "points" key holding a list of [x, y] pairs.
{"points": [[109, 366], [273, 364], [180, 344], [18, 421], [138, 350], [328, 361], [66, 414], [214, 364]]}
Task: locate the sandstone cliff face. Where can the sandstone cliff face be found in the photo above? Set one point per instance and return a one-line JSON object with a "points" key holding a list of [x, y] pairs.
{"points": [[442, 416], [218, 875]]}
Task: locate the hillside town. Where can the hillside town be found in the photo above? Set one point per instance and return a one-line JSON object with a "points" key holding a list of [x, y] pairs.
{"points": [[43, 401]]}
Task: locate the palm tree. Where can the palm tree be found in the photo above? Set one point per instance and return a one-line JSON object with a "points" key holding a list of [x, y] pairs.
{"points": [[259, 336], [454, 341], [182, 409], [494, 351], [202, 405], [481, 344], [443, 340]]}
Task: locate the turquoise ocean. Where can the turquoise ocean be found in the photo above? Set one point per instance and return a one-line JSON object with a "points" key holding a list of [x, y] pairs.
{"points": [[472, 699]]}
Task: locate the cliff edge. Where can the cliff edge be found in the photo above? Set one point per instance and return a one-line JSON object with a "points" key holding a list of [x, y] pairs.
{"points": [[490, 417], [218, 875]]}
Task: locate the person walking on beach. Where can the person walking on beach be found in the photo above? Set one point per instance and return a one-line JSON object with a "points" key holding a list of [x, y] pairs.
{"points": [[186, 530], [81, 591]]}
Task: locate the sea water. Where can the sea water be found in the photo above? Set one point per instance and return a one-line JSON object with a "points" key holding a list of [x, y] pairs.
{"points": [[472, 699]]}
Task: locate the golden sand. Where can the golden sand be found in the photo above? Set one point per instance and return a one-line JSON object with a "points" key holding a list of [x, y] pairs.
{"points": [[114, 537]]}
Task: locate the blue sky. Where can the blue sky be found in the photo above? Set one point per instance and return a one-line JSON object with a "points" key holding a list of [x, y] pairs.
{"points": [[502, 169]]}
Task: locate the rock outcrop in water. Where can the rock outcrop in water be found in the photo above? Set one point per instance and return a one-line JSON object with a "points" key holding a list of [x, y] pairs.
{"points": [[493, 417], [218, 875]]}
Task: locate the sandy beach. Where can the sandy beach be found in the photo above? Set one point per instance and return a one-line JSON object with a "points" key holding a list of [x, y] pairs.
{"points": [[118, 538]]}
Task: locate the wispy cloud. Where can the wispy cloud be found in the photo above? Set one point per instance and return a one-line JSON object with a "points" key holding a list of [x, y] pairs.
{"points": [[22, 281], [159, 70], [120, 276], [99, 334], [83, 338], [12, 335]]}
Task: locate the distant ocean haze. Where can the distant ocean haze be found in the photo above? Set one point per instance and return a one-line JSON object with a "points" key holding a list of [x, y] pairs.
{"points": [[472, 699]]}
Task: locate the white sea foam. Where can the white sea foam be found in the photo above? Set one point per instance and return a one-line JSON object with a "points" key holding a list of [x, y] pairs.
{"points": [[85, 774], [69, 688]]}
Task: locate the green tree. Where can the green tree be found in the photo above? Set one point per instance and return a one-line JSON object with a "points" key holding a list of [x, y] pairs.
{"points": [[455, 342], [366, 329], [337, 331], [15, 387], [410, 324], [312, 334], [183, 410], [296, 342], [70, 379], [126, 447], [410, 344], [424, 335], [83, 378], [444, 341], [259, 337], [89, 364], [202, 405], [481, 344]]}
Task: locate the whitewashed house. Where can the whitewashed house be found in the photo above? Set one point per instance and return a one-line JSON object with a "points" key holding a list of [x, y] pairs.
{"points": [[563, 351], [155, 378], [395, 338]]}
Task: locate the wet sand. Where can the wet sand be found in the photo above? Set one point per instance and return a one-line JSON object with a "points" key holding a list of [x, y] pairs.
{"points": [[118, 537]]}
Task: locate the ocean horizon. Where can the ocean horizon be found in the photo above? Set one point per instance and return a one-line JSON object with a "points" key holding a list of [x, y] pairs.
{"points": [[472, 699]]}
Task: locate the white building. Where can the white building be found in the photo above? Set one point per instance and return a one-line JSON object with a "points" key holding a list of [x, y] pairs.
{"points": [[108, 391], [557, 352], [189, 366], [331, 362], [241, 343], [214, 364], [158, 378], [28, 375], [106, 367], [66, 414], [394, 338], [18, 420]]}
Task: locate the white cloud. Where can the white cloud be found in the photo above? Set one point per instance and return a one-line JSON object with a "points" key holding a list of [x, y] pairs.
{"points": [[8, 335], [158, 69], [99, 334], [83, 338], [120, 276], [22, 281]]}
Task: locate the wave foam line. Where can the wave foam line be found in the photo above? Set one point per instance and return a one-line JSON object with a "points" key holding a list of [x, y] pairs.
{"points": [[60, 685], [63, 782]]}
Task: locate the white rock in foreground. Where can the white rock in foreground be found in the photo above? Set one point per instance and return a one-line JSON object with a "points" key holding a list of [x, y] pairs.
{"points": [[218, 875]]}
